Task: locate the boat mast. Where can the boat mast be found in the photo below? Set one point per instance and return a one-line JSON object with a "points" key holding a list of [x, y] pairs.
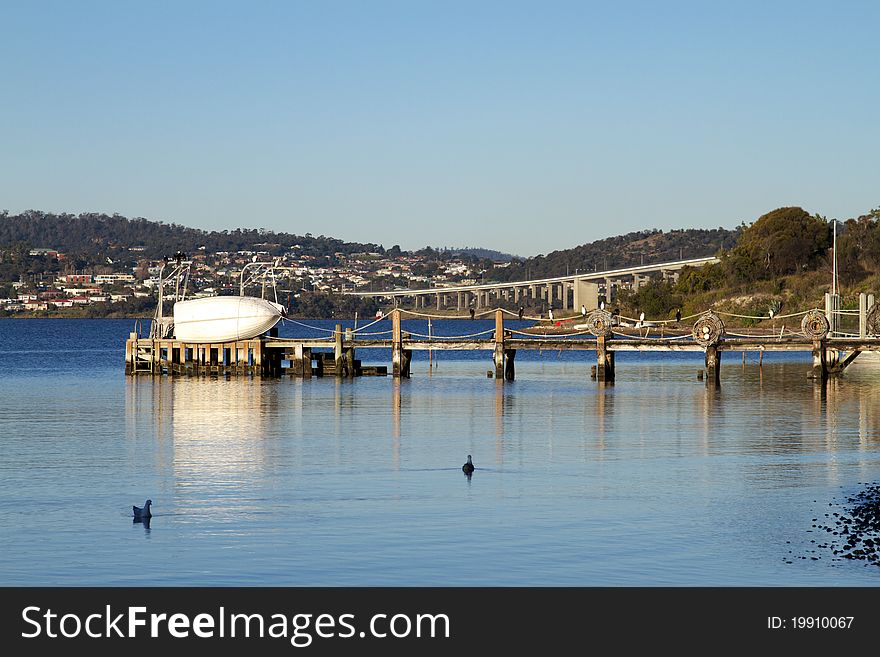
{"points": [[834, 261]]}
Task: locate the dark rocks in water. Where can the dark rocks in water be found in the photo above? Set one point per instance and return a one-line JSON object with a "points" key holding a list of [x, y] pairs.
{"points": [[859, 529]]}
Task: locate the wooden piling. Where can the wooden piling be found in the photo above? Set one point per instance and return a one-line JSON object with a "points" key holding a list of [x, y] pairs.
{"points": [[337, 351], [604, 361], [297, 364], [713, 364], [306, 363], [400, 358], [405, 362], [820, 362], [351, 364], [396, 345], [258, 357], [509, 368], [499, 344], [130, 351]]}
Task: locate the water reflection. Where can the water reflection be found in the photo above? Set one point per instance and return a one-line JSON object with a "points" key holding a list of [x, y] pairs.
{"points": [[395, 423], [210, 433], [142, 521], [604, 412]]}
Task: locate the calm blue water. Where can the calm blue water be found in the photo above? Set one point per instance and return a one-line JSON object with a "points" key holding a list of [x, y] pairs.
{"points": [[656, 480]]}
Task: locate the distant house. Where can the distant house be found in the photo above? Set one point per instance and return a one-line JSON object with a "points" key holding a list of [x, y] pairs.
{"points": [[114, 279], [34, 305], [76, 279], [81, 291], [46, 253]]}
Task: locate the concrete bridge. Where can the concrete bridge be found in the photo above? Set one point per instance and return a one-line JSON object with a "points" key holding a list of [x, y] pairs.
{"points": [[560, 292]]}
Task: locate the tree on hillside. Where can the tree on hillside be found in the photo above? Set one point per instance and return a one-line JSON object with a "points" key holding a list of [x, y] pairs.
{"points": [[858, 248], [784, 241]]}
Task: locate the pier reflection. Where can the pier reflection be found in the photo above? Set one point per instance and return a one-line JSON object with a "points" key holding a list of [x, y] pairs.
{"points": [[208, 431], [500, 399], [395, 423], [604, 414], [210, 434]]}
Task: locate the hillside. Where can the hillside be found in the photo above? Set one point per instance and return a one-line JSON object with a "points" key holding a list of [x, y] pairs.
{"points": [[643, 247], [95, 237], [781, 260], [480, 253]]}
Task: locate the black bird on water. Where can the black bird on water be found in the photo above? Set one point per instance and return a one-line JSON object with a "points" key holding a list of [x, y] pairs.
{"points": [[142, 513], [468, 468]]}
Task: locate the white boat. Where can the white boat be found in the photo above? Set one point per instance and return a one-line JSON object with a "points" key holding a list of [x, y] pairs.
{"points": [[224, 319]]}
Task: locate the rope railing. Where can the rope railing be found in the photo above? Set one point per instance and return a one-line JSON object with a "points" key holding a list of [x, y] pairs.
{"points": [[309, 326], [556, 323], [451, 337], [550, 335], [799, 314], [626, 336], [774, 336], [366, 326]]}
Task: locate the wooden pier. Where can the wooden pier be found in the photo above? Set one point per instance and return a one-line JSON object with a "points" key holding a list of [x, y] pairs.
{"points": [[271, 356]]}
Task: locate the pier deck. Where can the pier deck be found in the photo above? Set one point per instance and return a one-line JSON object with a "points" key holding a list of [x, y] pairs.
{"points": [[335, 355]]}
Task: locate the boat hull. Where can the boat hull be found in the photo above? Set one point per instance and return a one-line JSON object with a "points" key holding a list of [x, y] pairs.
{"points": [[224, 319]]}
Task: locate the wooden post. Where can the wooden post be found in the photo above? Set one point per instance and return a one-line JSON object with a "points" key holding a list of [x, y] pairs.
{"points": [[349, 352], [348, 357], [240, 357], [396, 345], [604, 360], [337, 351], [306, 363], [820, 363], [405, 362], [130, 349], [713, 364], [863, 315], [258, 357], [509, 369], [499, 344], [297, 360]]}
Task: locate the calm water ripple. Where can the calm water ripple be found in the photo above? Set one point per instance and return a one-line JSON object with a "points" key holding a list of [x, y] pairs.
{"points": [[656, 480]]}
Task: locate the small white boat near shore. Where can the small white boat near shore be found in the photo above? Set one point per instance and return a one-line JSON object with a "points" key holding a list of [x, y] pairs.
{"points": [[224, 319]]}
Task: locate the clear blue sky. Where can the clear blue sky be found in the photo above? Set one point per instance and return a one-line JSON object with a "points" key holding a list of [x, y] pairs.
{"points": [[521, 126]]}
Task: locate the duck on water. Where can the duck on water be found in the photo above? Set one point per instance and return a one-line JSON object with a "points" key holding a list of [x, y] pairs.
{"points": [[144, 512]]}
